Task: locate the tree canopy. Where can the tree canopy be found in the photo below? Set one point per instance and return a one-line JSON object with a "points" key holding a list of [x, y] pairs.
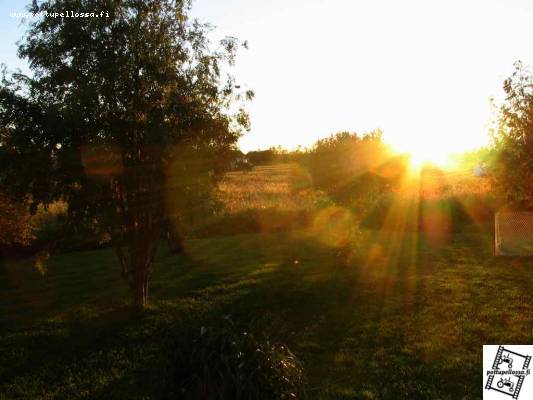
{"points": [[124, 117], [513, 139]]}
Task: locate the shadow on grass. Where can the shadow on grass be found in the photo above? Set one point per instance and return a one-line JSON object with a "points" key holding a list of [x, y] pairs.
{"points": [[411, 326]]}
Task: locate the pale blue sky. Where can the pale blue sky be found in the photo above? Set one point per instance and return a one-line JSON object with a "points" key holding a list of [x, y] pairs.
{"points": [[421, 70], [11, 31]]}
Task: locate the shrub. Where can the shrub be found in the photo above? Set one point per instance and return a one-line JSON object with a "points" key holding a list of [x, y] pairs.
{"points": [[223, 363], [16, 227], [261, 157], [57, 232], [355, 171]]}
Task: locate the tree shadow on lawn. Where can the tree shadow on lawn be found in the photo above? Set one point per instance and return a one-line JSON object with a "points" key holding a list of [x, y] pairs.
{"points": [[412, 330], [364, 329], [342, 329], [337, 322], [74, 286]]}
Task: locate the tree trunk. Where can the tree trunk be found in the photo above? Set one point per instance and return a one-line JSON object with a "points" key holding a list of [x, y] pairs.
{"points": [[140, 290], [137, 263], [139, 226]]}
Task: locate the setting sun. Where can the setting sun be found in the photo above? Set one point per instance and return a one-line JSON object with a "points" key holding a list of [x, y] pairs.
{"points": [[421, 152], [418, 158]]}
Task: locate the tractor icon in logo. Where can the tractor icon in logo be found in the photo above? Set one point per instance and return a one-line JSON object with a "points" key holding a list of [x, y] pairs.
{"points": [[506, 358], [506, 382]]}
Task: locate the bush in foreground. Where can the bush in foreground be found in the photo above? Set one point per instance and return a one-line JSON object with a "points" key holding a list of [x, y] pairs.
{"points": [[223, 363]]}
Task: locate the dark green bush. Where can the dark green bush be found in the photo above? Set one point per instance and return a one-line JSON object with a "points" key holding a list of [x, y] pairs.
{"points": [[56, 231], [226, 364], [261, 157], [355, 171]]}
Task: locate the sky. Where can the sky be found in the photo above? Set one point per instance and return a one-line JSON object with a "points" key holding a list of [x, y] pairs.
{"points": [[423, 71]]}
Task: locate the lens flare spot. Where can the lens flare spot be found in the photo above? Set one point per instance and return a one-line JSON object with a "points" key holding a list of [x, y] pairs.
{"points": [[334, 226]]}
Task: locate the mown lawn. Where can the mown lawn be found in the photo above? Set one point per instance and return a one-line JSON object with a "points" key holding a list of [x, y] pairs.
{"points": [[404, 317], [407, 321]]}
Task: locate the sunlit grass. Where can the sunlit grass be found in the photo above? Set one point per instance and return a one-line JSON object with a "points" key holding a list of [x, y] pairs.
{"points": [[435, 182], [409, 308], [282, 186]]}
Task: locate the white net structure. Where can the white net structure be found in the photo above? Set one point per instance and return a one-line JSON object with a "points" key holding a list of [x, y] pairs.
{"points": [[513, 233]]}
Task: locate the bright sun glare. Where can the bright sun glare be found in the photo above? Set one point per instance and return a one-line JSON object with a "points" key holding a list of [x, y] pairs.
{"points": [[420, 156], [428, 150], [335, 70]]}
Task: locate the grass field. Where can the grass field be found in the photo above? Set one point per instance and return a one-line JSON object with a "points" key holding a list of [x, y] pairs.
{"points": [[405, 320], [281, 186]]}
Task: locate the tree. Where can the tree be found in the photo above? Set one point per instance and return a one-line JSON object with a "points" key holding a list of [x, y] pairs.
{"points": [[123, 118], [355, 171], [513, 169], [261, 157]]}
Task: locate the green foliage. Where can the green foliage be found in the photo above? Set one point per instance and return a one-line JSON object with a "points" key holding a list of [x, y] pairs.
{"points": [[354, 170], [484, 156], [57, 233], [226, 364], [16, 227], [127, 118], [261, 157], [513, 169], [276, 154]]}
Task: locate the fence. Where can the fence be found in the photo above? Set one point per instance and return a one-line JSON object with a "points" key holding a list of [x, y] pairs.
{"points": [[513, 233]]}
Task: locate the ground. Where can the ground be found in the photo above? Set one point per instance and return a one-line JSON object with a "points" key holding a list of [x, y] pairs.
{"points": [[405, 320]]}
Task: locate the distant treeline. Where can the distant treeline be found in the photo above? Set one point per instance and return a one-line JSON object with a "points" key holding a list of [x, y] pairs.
{"points": [[274, 155], [357, 172]]}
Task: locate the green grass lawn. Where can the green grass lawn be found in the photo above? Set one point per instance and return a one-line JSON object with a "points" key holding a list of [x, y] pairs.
{"points": [[406, 322]]}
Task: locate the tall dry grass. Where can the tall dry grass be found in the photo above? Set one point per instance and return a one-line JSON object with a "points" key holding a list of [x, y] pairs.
{"points": [[285, 187]]}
